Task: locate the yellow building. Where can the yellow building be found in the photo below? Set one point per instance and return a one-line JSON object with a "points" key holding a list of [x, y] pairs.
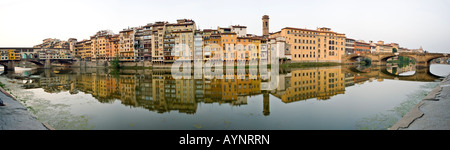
{"points": [[166, 36], [84, 50], [11, 54], [228, 43], [211, 43], [256, 49], [386, 48], [243, 48], [99, 44], [127, 50], [321, 45]]}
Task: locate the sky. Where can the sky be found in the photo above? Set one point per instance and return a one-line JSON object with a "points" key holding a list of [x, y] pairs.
{"points": [[410, 23]]}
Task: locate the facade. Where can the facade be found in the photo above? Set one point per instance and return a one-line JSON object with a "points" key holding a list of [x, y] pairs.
{"points": [[143, 42], [127, 50], [383, 48], [139, 43], [321, 45], [112, 48], [349, 46], [373, 47], [179, 35], [53, 43], [229, 41], [72, 43], [84, 50], [241, 31], [211, 43], [17, 53], [198, 46], [147, 42], [279, 45], [99, 45], [157, 42], [362, 47], [53, 53], [167, 35], [256, 48]]}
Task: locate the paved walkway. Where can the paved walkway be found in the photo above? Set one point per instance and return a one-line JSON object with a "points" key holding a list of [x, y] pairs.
{"points": [[14, 116], [432, 113]]}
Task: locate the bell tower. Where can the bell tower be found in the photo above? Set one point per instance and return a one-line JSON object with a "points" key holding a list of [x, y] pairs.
{"points": [[265, 29]]}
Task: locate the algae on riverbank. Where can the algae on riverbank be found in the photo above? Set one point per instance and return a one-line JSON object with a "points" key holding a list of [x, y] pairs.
{"points": [[57, 116], [385, 120]]}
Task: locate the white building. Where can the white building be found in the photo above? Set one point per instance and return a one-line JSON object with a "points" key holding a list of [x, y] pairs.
{"points": [[278, 45], [241, 31]]}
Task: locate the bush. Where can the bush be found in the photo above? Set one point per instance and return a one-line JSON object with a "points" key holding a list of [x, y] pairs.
{"points": [[115, 63]]}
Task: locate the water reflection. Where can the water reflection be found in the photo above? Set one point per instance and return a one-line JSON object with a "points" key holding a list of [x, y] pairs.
{"points": [[156, 89]]}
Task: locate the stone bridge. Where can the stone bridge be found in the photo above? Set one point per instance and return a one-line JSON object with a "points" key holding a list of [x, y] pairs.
{"points": [[380, 59], [380, 72], [41, 63]]}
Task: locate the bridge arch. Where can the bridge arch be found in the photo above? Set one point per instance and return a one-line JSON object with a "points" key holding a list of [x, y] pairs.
{"points": [[436, 57], [385, 58], [7, 66], [36, 62], [361, 57]]}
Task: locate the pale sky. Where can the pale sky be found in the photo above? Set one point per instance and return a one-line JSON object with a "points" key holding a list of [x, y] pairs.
{"points": [[410, 23]]}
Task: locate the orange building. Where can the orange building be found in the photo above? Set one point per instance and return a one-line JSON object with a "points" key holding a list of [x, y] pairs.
{"points": [[112, 48], [228, 42], [361, 47], [321, 45], [99, 44], [211, 43]]}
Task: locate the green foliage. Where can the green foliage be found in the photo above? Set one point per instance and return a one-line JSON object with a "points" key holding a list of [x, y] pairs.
{"points": [[394, 50], [385, 120], [402, 61], [367, 61], [2, 85], [115, 63]]}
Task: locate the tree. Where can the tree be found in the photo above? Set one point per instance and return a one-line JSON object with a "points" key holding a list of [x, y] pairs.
{"points": [[115, 63]]}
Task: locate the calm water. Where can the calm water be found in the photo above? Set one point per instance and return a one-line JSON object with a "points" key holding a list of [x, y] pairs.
{"points": [[340, 97]]}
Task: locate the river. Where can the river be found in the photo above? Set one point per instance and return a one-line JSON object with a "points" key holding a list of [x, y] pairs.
{"points": [[322, 98]]}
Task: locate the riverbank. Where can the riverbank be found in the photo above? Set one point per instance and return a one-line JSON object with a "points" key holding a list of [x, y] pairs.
{"points": [[15, 116], [431, 113]]}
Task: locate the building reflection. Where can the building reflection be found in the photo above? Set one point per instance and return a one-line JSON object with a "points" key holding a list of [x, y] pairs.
{"points": [[157, 90]]}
